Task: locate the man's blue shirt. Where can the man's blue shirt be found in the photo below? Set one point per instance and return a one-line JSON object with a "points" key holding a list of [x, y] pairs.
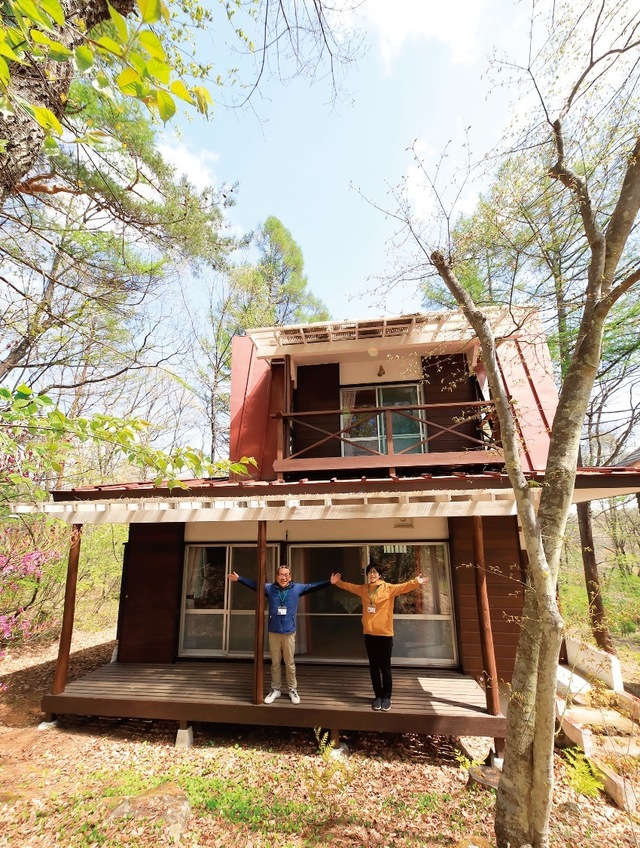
{"points": [[288, 598]]}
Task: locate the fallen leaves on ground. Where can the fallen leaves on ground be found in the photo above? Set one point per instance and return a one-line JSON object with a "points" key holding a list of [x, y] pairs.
{"points": [[249, 787]]}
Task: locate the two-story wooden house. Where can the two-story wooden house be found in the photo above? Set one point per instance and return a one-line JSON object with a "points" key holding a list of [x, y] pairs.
{"points": [[375, 441]]}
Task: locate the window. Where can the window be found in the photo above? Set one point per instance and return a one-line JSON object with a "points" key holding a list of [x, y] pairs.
{"points": [[366, 432], [329, 622], [218, 617]]}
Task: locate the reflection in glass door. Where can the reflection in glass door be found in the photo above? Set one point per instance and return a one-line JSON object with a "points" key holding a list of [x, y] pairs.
{"points": [[242, 600], [366, 432], [204, 592], [218, 617], [329, 622]]}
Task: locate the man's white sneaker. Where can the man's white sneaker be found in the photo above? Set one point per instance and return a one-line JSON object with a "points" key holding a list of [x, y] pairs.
{"points": [[275, 693], [293, 694]]}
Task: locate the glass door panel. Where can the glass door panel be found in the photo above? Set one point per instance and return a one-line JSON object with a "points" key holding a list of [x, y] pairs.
{"points": [[423, 618], [204, 601], [407, 431], [329, 625], [363, 427], [329, 621], [242, 600]]}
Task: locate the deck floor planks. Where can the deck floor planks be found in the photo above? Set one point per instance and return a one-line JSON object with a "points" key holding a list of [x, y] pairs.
{"points": [[332, 696]]}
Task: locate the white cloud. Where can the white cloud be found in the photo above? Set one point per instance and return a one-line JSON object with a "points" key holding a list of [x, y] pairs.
{"points": [[196, 166], [454, 23]]}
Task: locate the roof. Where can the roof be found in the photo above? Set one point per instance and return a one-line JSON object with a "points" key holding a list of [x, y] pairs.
{"points": [[458, 494], [418, 329]]}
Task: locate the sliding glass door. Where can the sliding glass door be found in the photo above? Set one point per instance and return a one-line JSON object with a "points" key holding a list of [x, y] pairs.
{"points": [[218, 616]]}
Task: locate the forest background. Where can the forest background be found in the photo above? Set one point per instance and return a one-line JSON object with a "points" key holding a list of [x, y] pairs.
{"points": [[108, 364]]}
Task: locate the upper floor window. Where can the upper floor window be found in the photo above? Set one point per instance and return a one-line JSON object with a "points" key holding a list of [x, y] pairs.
{"points": [[367, 432]]}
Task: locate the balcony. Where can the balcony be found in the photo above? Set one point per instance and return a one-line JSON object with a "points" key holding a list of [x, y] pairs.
{"points": [[418, 437]]}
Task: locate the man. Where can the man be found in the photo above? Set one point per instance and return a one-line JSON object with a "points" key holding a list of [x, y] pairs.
{"points": [[283, 598], [377, 598]]}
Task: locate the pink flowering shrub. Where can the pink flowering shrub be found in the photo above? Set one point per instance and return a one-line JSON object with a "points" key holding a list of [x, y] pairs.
{"points": [[28, 552]]}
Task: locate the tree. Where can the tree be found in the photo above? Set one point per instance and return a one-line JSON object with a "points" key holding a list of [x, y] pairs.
{"points": [[584, 76], [273, 290], [516, 245], [88, 253], [280, 283], [134, 47]]}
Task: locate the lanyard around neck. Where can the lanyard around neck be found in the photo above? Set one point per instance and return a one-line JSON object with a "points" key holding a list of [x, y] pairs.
{"points": [[372, 595]]}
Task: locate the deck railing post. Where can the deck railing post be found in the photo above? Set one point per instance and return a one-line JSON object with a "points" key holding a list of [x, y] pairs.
{"points": [[388, 423], [64, 648], [486, 631], [258, 651]]}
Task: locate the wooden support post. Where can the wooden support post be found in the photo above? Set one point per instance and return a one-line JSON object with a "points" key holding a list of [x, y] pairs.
{"points": [[486, 632], [64, 648], [388, 423], [258, 650], [287, 405]]}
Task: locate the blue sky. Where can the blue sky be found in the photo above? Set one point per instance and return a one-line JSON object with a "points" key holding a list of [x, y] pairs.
{"points": [[298, 156]]}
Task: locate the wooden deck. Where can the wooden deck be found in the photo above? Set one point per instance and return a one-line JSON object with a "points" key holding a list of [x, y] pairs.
{"points": [[332, 697]]}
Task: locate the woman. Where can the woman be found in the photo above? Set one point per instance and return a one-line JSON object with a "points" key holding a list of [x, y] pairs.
{"points": [[377, 624]]}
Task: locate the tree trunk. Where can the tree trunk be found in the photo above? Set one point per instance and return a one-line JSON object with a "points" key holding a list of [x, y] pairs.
{"points": [[45, 84], [597, 615], [524, 794]]}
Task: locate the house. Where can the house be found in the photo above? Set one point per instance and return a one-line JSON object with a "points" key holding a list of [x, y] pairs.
{"points": [[375, 440]]}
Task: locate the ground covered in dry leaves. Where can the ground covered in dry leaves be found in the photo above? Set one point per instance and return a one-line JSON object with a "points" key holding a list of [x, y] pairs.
{"points": [[246, 787]]}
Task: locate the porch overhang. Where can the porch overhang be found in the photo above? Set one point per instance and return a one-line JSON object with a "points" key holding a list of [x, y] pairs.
{"points": [[428, 496], [298, 507]]}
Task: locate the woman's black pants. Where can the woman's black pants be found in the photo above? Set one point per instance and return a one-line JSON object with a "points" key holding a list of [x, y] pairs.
{"points": [[379, 652]]}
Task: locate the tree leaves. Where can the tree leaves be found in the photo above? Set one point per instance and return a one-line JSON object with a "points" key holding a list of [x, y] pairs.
{"points": [[39, 438], [130, 47]]}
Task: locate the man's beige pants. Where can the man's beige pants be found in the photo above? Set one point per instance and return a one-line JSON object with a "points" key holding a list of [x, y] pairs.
{"points": [[282, 647]]}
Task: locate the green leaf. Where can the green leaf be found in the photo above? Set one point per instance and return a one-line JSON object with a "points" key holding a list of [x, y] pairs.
{"points": [[46, 119], [159, 70], [5, 76], [151, 10], [129, 82], [6, 50], [58, 52], [166, 105], [110, 46], [84, 58], [138, 62], [203, 99], [28, 9], [180, 90], [152, 44], [120, 24], [102, 84], [50, 145], [54, 10]]}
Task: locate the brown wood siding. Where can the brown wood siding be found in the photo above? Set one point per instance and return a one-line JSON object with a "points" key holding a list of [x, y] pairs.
{"points": [[446, 379], [503, 560], [318, 389], [277, 403], [149, 615]]}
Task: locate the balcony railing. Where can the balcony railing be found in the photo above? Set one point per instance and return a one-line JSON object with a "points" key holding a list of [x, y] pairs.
{"points": [[437, 434]]}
